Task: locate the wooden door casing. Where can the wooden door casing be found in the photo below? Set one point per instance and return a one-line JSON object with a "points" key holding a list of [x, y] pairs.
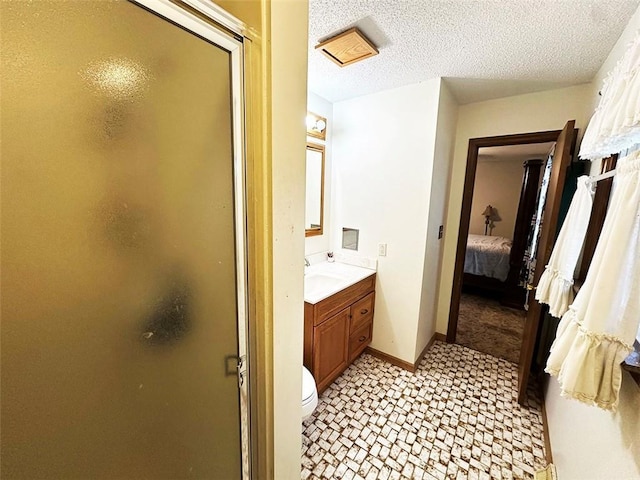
{"points": [[565, 141], [465, 213]]}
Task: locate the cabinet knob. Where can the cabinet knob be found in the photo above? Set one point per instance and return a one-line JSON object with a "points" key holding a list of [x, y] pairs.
{"points": [[364, 311], [362, 338]]}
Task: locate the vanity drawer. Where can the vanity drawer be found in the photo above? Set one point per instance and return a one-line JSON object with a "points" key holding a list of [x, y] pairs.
{"points": [[335, 303], [359, 340], [362, 311]]}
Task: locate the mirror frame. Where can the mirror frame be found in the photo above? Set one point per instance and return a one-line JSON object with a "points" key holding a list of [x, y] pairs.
{"points": [[310, 232]]}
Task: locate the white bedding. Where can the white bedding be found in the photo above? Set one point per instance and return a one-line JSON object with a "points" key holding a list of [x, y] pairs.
{"points": [[487, 256]]}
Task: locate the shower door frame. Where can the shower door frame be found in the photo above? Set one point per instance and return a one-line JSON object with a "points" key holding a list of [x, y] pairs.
{"points": [[218, 27]]}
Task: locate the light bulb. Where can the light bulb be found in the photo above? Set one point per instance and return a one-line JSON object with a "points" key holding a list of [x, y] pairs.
{"points": [[311, 121]]}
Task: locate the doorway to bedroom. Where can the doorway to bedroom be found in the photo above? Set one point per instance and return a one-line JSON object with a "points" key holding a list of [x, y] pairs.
{"points": [[492, 313], [547, 208], [498, 223]]}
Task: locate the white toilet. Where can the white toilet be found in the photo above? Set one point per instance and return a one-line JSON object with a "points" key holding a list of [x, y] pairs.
{"points": [[309, 394]]}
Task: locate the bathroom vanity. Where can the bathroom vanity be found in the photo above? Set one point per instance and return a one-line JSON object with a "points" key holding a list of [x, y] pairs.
{"points": [[339, 326]]}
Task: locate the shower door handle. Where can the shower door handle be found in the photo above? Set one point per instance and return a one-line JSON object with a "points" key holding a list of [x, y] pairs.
{"points": [[233, 364]]}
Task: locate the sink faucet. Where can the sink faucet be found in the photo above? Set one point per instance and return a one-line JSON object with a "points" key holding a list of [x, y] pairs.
{"points": [[306, 262]]}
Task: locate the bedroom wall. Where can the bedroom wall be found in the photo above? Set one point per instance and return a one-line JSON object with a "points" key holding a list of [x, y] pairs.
{"points": [[589, 443], [498, 183]]}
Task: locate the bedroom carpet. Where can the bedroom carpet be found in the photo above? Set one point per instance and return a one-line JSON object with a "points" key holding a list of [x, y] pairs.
{"points": [[486, 326]]}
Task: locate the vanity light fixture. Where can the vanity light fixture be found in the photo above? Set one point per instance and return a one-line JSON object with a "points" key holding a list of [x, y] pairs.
{"points": [[347, 47], [316, 126]]}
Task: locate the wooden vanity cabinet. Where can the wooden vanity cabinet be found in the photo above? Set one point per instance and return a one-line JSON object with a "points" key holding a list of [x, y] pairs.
{"points": [[330, 348], [337, 330]]}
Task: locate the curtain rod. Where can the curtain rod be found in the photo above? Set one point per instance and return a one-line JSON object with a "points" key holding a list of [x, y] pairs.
{"points": [[602, 176]]}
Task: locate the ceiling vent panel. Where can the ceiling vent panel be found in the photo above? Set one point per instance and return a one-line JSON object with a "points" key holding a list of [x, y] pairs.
{"points": [[348, 47]]}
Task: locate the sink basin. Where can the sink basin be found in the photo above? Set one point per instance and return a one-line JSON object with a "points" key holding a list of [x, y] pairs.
{"points": [[318, 281], [324, 279]]}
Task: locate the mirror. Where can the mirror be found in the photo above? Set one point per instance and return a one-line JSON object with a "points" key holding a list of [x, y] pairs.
{"points": [[315, 190]]}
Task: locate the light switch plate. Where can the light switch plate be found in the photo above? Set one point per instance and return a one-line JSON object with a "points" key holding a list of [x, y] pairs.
{"points": [[382, 249]]}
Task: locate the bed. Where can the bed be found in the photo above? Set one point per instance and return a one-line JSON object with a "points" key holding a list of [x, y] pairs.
{"points": [[487, 256]]}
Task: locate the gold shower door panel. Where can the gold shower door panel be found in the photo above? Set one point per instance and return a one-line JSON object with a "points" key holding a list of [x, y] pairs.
{"points": [[119, 298]]}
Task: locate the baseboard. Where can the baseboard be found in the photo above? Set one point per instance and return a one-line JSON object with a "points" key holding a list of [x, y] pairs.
{"points": [[390, 359], [436, 336], [411, 367], [545, 423]]}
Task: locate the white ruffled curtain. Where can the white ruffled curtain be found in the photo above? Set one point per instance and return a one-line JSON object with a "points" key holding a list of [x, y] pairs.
{"points": [[555, 287], [615, 125], [597, 332]]}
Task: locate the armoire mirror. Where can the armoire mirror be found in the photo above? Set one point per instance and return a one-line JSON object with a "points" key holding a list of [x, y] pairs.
{"points": [[315, 190]]}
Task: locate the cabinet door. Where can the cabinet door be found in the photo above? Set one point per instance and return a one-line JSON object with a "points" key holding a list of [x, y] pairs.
{"points": [[330, 348]]}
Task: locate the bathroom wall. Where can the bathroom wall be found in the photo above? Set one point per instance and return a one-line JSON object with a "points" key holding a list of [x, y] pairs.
{"points": [[324, 108], [289, 21], [589, 443], [592, 444], [383, 153], [548, 110], [443, 155], [498, 183], [285, 23]]}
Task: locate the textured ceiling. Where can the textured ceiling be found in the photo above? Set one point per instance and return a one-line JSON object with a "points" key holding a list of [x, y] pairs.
{"points": [[485, 48]]}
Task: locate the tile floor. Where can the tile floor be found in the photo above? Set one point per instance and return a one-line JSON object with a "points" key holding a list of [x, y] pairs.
{"points": [[456, 417]]}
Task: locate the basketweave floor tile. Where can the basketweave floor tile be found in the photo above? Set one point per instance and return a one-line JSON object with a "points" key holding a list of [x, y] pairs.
{"points": [[456, 417]]}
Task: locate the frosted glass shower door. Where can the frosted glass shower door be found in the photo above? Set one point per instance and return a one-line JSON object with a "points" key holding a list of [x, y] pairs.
{"points": [[120, 246]]}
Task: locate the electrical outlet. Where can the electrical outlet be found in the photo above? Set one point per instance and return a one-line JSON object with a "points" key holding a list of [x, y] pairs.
{"points": [[441, 231], [382, 249]]}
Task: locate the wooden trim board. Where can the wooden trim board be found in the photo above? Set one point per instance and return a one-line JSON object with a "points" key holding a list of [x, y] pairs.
{"points": [[545, 423], [390, 359], [440, 337], [411, 367]]}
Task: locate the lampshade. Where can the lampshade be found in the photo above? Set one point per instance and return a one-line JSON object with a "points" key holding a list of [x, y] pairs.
{"points": [[488, 211]]}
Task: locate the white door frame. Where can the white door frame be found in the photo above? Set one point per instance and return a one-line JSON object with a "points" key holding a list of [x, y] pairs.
{"points": [[178, 15]]}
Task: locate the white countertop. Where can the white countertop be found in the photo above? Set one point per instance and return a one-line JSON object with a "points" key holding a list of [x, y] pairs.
{"points": [[321, 280]]}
